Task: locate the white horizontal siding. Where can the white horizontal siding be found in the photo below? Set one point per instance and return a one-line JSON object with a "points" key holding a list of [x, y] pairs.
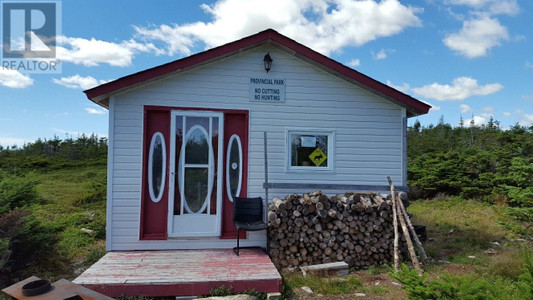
{"points": [[368, 133]]}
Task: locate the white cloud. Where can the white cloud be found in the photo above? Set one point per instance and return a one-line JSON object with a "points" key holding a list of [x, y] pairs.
{"points": [[95, 111], [324, 25], [486, 115], [12, 141], [528, 97], [78, 82], [507, 114], [472, 3], [529, 65], [478, 121], [354, 63], [495, 7], [488, 109], [498, 7], [526, 120], [404, 88], [135, 46], [460, 89], [465, 108], [94, 52], [434, 108], [477, 37], [14, 79], [382, 54]]}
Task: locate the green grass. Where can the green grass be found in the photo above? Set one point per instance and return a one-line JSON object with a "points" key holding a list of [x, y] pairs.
{"points": [[459, 227], [460, 232], [72, 198], [63, 216]]}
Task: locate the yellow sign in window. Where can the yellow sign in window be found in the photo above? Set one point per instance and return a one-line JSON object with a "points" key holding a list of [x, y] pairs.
{"points": [[318, 156]]}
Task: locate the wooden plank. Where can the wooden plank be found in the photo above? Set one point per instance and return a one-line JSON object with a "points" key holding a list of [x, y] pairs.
{"points": [[335, 268], [330, 186]]}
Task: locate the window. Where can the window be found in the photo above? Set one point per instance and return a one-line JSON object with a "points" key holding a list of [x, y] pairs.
{"points": [[234, 167], [310, 149], [157, 158]]}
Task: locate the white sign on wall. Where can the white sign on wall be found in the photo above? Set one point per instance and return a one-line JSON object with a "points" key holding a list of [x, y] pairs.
{"points": [[267, 90], [308, 141]]}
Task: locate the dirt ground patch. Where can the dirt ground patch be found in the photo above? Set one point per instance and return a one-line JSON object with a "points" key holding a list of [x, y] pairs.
{"points": [[374, 286]]}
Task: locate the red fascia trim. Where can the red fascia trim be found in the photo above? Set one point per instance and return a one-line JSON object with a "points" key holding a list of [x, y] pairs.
{"points": [[186, 62], [351, 73], [252, 40]]}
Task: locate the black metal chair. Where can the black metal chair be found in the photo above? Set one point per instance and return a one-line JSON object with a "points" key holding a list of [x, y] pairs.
{"points": [[248, 215]]}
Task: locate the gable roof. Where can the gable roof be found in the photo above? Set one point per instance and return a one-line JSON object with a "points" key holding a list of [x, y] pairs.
{"points": [[100, 94]]}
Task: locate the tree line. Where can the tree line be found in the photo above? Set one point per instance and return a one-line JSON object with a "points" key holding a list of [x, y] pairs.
{"points": [[475, 162]]}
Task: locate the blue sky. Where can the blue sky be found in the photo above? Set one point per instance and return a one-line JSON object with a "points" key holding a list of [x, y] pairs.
{"points": [[464, 57]]}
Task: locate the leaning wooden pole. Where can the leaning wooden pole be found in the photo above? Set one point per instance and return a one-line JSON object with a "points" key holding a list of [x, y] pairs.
{"points": [[395, 224], [418, 244], [408, 240]]}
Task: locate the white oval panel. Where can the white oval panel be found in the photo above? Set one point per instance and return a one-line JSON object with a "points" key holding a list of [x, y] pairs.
{"points": [[157, 161], [234, 167]]}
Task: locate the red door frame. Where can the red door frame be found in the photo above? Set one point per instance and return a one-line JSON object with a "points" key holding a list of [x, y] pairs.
{"points": [[234, 123], [154, 216], [155, 120]]}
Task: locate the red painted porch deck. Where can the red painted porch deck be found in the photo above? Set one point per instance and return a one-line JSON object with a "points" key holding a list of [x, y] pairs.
{"points": [[180, 272]]}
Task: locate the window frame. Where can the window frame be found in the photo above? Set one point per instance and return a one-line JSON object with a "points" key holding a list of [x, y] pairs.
{"points": [[330, 133], [234, 137], [151, 187]]}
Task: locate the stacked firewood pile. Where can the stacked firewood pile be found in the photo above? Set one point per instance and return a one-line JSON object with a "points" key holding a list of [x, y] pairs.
{"points": [[313, 228]]}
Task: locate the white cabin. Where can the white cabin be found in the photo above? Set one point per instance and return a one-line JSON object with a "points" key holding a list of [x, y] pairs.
{"points": [[188, 136]]}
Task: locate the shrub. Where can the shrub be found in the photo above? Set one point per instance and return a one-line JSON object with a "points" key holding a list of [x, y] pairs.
{"points": [[10, 225], [525, 285], [17, 192], [221, 291], [466, 287], [34, 240]]}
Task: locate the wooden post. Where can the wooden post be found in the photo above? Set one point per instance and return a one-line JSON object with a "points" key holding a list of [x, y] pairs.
{"points": [[408, 240], [266, 171], [395, 224], [423, 255]]}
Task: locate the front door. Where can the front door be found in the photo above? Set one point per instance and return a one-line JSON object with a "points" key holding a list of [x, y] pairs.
{"points": [[195, 179]]}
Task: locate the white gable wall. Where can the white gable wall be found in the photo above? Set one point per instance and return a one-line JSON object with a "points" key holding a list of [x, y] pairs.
{"points": [[369, 134]]}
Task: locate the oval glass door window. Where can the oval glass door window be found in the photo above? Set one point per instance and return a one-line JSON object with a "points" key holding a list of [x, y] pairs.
{"points": [[234, 167], [197, 146], [157, 160], [197, 170]]}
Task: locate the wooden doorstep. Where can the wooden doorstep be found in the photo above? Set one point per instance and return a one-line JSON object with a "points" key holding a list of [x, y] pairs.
{"points": [[181, 272]]}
